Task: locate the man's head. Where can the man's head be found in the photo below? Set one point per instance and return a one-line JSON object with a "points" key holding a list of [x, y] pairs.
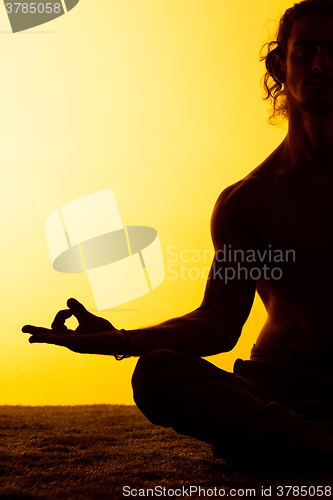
{"points": [[302, 51]]}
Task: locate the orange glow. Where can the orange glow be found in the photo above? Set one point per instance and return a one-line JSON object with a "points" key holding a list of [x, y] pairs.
{"points": [[159, 101]]}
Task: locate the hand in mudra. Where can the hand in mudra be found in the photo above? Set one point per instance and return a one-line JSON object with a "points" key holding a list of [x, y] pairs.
{"points": [[93, 335]]}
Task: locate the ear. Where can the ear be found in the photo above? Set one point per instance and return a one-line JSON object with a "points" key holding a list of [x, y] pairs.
{"points": [[278, 68]]}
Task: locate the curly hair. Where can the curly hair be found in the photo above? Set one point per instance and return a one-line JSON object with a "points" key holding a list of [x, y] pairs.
{"points": [[274, 90]]}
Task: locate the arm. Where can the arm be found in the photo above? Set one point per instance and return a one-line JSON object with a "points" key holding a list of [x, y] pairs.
{"points": [[217, 324], [212, 328]]}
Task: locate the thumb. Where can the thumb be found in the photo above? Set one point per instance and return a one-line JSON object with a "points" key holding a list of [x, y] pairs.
{"points": [[78, 309]]}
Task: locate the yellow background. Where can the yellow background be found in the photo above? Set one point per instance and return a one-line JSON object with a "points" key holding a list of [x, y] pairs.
{"points": [[157, 99]]}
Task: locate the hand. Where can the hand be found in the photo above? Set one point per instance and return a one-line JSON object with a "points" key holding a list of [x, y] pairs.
{"points": [[93, 335]]}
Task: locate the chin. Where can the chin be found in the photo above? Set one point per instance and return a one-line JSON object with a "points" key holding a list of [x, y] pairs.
{"points": [[318, 104], [318, 107]]}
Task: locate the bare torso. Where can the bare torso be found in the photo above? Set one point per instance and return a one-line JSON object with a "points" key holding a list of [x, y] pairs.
{"points": [[293, 210]]}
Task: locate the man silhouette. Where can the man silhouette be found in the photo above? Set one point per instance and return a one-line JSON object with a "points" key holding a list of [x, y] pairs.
{"points": [[279, 403]]}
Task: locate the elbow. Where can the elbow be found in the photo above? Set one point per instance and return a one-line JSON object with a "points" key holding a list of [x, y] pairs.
{"points": [[226, 339], [228, 344]]}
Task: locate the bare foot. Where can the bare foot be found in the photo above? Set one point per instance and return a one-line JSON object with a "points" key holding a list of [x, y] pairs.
{"points": [[313, 442], [308, 443], [323, 426]]}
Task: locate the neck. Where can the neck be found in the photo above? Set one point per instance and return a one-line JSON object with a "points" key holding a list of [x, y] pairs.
{"points": [[309, 141]]}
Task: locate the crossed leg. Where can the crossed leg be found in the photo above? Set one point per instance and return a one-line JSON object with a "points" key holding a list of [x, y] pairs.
{"points": [[233, 413]]}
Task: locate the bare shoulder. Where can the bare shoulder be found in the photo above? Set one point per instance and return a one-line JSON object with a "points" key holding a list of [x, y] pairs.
{"points": [[243, 197], [234, 210], [238, 205]]}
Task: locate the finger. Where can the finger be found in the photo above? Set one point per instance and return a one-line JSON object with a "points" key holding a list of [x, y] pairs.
{"points": [[76, 344], [59, 320], [78, 309], [38, 339], [36, 330], [49, 339]]}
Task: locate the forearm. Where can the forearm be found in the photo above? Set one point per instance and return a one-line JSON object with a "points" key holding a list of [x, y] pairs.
{"points": [[196, 333]]}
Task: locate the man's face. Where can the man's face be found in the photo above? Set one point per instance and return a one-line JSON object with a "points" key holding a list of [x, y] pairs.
{"points": [[308, 65]]}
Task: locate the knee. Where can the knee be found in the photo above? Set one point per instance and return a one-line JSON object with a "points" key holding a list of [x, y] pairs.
{"points": [[153, 366], [152, 372]]}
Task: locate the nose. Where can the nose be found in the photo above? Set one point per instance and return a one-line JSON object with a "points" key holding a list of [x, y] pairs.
{"points": [[322, 62]]}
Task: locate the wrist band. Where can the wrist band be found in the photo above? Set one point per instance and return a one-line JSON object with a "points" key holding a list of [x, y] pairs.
{"points": [[119, 357]]}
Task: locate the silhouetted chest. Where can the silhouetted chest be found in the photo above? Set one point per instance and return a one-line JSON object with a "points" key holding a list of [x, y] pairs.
{"points": [[297, 214]]}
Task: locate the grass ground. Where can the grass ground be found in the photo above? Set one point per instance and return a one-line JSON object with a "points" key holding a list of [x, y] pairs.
{"points": [[92, 452]]}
